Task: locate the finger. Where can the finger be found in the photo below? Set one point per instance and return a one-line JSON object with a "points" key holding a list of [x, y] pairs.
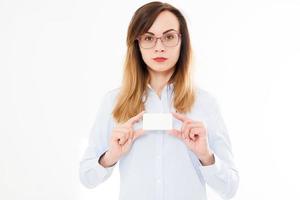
{"points": [[185, 128], [175, 133], [180, 117], [122, 129], [123, 139], [194, 133], [202, 132], [127, 145], [121, 134], [138, 133], [119, 137], [127, 135], [135, 118], [131, 134], [193, 126]]}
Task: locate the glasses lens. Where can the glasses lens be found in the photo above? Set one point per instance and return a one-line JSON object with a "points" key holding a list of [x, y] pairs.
{"points": [[147, 41], [170, 39]]}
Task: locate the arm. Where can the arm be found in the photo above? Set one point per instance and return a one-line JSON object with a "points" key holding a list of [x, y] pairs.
{"points": [[91, 172], [219, 170]]}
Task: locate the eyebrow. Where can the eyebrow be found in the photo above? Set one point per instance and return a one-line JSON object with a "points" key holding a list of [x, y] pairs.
{"points": [[163, 32]]}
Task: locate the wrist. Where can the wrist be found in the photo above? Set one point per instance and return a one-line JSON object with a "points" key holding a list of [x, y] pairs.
{"points": [[208, 159], [107, 160]]}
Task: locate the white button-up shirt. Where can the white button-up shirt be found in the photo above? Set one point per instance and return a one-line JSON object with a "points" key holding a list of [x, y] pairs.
{"points": [[160, 166]]}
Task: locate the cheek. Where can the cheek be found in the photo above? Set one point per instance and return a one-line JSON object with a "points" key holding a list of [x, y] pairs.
{"points": [[174, 55], [146, 56]]}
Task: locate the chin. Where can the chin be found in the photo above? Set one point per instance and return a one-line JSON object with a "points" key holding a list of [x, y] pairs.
{"points": [[161, 68]]}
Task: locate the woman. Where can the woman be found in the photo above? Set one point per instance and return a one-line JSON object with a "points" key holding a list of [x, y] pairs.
{"points": [[171, 165]]}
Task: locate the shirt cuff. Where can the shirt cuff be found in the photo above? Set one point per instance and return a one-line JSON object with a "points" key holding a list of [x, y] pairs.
{"points": [[102, 169], [92, 173], [211, 170], [95, 171]]}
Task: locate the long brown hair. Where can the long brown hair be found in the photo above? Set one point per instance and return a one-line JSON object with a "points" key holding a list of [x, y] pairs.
{"points": [[135, 76]]}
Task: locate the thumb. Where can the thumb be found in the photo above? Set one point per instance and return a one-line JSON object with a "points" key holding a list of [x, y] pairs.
{"points": [[127, 145], [175, 133], [138, 133]]}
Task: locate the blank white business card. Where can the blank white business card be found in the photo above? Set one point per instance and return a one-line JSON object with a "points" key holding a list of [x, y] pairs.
{"points": [[157, 121]]}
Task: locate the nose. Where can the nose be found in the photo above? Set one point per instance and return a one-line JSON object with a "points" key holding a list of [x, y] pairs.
{"points": [[159, 47]]}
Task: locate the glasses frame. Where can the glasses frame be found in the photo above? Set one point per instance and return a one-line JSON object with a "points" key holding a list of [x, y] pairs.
{"points": [[156, 38]]}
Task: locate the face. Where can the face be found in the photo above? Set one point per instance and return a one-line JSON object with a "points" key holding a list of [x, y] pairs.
{"points": [[165, 26]]}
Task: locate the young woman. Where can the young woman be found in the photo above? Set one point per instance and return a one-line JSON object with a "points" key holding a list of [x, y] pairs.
{"points": [[160, 165]]}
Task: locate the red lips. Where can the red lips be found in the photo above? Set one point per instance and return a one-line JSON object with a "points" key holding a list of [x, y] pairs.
{"points": [[160, 59]]}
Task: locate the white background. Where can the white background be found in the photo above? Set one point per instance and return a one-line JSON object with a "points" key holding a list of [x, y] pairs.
{"points": [[58, 58]]}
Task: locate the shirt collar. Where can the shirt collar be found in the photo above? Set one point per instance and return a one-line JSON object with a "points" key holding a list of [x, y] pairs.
{"points": [[167, 87]]}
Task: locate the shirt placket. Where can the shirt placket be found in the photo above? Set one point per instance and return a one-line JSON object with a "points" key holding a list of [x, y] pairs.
{"points": [[159, 148]]}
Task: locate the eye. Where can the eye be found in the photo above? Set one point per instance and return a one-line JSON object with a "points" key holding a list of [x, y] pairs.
{"points": [[147, 38], [169, 36]]}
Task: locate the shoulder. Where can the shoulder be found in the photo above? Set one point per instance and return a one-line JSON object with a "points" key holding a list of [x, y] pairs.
{"points": [[206, 103], [112, 93], [204, 96], [109, 98]]}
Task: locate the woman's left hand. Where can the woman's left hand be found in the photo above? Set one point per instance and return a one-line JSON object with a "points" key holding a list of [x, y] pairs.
{"points": [[194, 135]]}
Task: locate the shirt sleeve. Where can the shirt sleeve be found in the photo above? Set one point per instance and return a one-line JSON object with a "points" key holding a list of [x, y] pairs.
{"points": [[223, 175], [91, 173]]}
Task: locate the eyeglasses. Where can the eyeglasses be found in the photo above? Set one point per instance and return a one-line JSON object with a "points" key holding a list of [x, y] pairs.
{"points": [[169, 39]]}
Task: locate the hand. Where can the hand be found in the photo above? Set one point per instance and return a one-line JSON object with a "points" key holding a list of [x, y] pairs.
{"points": [[194, 135], [123, 136]]}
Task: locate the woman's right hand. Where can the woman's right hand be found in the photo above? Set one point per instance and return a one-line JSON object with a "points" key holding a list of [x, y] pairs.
{"points": [[122, 138]]}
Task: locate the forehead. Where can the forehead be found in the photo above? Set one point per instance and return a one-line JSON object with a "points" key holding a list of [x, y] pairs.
{"points": [[164, 21]]}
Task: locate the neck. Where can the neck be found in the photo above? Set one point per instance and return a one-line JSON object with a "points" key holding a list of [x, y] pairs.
{"points": [[158, 80]]}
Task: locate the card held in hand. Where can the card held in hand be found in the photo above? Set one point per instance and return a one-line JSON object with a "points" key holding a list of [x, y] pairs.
{"points": [[157, 121]]}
